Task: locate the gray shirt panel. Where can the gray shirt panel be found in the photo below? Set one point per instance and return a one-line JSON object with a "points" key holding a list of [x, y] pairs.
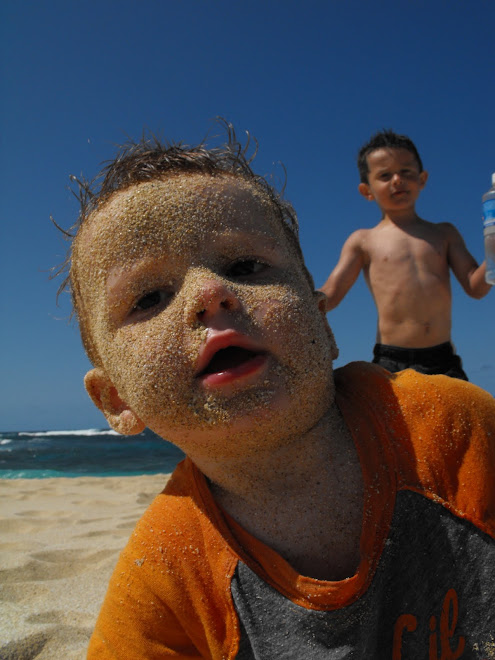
{"points": [[437, 573]]}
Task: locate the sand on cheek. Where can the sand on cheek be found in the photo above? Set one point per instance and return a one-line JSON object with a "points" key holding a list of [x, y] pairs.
{"points": [[295, 331], [153, 368], [303, 340]]}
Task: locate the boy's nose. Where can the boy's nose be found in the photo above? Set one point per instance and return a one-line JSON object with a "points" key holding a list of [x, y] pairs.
{"points": [[215, 295]]}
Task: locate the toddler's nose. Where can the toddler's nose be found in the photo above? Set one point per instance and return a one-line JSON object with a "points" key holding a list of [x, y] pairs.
{"points": [[215, 295]]}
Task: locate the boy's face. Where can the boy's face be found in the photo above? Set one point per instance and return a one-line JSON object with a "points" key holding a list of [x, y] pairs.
{"points": [[204, 321], [394, 179]]}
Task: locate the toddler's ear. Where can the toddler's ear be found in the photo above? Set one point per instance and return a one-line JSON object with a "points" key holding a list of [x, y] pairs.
{"points": [[105, 397], [365, 191]]}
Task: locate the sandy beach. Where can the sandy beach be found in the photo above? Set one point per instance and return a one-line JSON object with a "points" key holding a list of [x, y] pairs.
{"points": [[59, 541]]}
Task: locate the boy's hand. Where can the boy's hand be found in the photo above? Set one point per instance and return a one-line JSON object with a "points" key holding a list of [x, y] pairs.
{"points": [[464, 266]]}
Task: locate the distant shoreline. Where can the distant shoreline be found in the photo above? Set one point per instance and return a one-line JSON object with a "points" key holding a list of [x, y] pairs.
{"points": [[84, 453]]}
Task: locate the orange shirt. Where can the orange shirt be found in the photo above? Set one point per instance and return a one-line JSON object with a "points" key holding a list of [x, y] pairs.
{"points": [[433, 437]]}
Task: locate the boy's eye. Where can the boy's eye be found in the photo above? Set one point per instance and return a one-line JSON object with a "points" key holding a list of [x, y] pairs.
{"points": [[245, 267], [152, 299]]}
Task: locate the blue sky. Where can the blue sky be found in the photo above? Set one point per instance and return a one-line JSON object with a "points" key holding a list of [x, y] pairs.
{"points": [[310, 80]]}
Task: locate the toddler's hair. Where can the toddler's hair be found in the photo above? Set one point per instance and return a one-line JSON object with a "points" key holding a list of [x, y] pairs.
{"points": [[385, 139]]}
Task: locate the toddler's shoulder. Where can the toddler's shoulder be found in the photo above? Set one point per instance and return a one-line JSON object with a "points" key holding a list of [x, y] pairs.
{"points": [[440, 432], [424, 407], [443, 395]]}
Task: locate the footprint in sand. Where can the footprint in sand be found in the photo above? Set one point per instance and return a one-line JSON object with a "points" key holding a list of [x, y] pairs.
{"points": [[25, 649], [61, 618], [64, 642], [23, 592], [145, 498], [54, 565], [91, 520], [127, 525], [25, 525]]}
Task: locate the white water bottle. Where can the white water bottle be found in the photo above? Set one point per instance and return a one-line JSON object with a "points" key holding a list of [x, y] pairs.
{"points": [[488, 200]]}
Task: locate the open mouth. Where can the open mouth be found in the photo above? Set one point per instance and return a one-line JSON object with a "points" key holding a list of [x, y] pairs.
{"points": [[227, 359]]}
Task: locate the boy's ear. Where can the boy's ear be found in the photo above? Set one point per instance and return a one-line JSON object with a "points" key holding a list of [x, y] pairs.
{"points": [[423, 178], [105, 397], [365, 191], [321, 300]]}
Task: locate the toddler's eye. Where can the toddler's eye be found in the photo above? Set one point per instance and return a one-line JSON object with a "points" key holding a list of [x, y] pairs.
{"points": [[245, 267], [152, 299]]}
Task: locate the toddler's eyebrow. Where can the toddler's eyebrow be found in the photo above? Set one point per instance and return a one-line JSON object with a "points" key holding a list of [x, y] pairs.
{"points": [[241, 239], [120, 277]]}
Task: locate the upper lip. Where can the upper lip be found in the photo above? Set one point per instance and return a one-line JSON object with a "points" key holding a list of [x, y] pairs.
{"points": [[216, 341]]}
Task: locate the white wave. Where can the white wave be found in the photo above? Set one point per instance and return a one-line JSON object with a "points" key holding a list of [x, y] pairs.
{"points": [[83, 432], [5, 441]]}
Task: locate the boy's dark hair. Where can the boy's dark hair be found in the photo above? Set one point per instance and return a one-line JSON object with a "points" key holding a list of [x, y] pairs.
{"points": [[151, 158], [385, 139]]}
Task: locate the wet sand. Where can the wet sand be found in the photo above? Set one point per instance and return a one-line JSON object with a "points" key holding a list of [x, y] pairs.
{"points": [[59, 541]]}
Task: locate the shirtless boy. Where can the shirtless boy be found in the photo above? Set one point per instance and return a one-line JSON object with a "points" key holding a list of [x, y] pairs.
{"points": [[406, 263], [300, 525]]}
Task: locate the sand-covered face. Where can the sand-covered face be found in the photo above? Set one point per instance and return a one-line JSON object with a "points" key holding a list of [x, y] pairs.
{"points": [[201, 313]]}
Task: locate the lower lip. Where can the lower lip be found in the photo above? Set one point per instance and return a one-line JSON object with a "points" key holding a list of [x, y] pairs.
{"points": [[235, 374]]}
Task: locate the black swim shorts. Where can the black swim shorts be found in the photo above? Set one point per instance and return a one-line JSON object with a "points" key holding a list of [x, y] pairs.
{"points": [[439, 359]]}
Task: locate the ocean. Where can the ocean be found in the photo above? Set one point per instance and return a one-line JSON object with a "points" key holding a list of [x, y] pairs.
{"points": [[84, 453]]}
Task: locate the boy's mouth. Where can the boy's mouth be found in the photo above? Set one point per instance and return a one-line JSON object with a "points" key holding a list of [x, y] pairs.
{"points": [[230, 365], [228, 358]]}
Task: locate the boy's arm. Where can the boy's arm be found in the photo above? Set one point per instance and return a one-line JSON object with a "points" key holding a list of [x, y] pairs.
{"points": [[346, 271], [464, 266]]}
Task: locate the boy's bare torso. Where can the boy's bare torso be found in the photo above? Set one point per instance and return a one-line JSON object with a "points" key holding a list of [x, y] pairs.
{"points": [[406, 261], [407, 270]]}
